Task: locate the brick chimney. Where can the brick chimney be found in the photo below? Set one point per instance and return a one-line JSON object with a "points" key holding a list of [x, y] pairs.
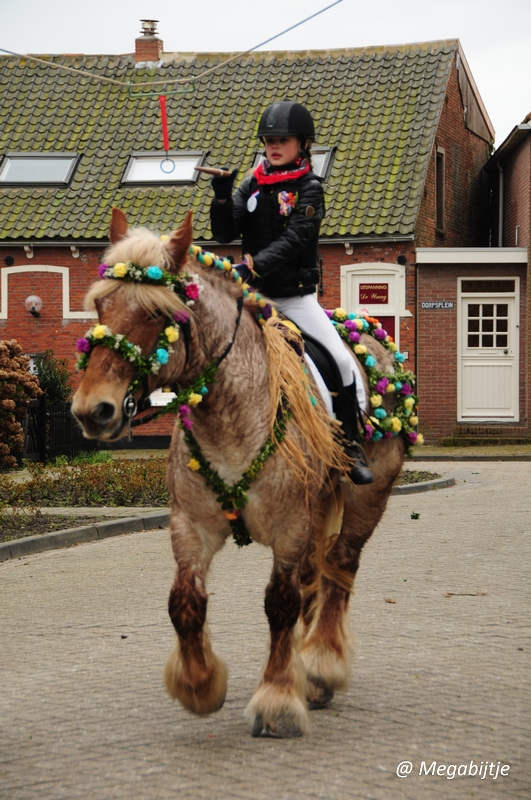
{"points": [[148, 47]]}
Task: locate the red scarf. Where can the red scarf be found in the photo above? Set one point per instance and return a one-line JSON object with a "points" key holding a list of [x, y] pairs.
{"points": [[266, 175]]}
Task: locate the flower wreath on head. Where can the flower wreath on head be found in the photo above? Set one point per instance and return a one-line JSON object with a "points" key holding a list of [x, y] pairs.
{"points": [[186, 286], [381, 424]]}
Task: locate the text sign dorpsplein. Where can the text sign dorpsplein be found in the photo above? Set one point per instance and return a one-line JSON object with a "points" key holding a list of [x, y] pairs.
{"points": [[374, 293], [438, 304]]}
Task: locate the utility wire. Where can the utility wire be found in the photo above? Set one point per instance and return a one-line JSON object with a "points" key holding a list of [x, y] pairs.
{"points": [[102, 79]]}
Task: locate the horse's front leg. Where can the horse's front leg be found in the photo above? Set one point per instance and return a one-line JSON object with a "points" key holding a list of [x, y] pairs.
{"points": [[278, 708], [194, 675]]}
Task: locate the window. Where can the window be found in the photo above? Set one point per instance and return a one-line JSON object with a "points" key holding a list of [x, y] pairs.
{"points": [[38, 168], [173, 167], [439, 190], [321, 161]]}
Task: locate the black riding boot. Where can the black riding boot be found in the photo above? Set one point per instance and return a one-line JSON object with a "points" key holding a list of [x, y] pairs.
{"points": [[360, 472]]}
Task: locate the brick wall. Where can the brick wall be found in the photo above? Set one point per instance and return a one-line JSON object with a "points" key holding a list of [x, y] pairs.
{"points": [[466, 192], [437, 344], [517, 196]]}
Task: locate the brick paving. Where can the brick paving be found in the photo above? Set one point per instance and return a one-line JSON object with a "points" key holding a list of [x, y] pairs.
{"points": [[84, 635]]}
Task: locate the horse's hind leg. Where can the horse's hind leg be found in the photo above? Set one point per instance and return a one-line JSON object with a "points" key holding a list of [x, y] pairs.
{"points": [[278, 707], [194, 675]]}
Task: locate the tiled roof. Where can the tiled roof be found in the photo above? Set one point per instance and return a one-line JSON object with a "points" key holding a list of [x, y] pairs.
{"points": [[378, 107]]}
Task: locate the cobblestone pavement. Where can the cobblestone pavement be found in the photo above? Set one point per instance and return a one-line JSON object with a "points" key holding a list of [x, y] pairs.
{"points": [[440, 676]]}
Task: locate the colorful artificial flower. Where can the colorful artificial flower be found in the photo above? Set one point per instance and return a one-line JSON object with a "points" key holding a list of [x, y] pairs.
{"points": [[120, 270], [102, 269], [181, 316], [162, 355], [413, 420], [360, 349], [396, 424], [194, 465], [192, 291], [83, 345], [155, 273], [287, 202], [99, 331], [409, 402], [195, 398], [390, 388], [340, 314], [376, 400], [380, 413], [172, 334]]}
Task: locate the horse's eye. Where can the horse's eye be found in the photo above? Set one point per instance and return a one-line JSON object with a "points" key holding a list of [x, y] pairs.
{"points": [[156, 314]]}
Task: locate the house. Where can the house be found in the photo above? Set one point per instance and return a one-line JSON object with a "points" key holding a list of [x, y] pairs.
{"points": [[402, 140], [473, 347]]}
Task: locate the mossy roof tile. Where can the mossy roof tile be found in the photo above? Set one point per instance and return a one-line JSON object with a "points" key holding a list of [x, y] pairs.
{"points": [[379, 107]]}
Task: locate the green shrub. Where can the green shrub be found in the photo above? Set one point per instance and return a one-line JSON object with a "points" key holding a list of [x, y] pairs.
{"points": [[54, 377]]}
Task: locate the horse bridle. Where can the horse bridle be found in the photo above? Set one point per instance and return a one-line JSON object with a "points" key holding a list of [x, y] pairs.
{"points": [[131, 408]]}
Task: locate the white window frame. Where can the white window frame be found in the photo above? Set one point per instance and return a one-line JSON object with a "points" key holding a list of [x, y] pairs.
{"points": [[165, 161], [70, 159]]}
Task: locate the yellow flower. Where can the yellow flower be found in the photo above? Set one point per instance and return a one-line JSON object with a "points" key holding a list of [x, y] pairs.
{"points": [[396, 424], [207, 260], [420, 439], [194, 464], [376, 400], [164, 238], [340, 313], [172, 334], [359, 324], [414, 420], [120, 270], [390, 387], [393, 347], [99, 331], [409, 402], [360, 349], [194, 399]]}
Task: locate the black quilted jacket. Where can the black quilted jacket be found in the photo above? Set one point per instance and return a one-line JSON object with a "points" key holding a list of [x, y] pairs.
{"points": [[284, 248]]}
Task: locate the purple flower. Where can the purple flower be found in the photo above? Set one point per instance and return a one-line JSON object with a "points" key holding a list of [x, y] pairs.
{"points": [[187, 424], [267, 311], [350, 325], [102, 269], [181, 317], [354, 336], [413, 436], [388, 435], [329, 313], [183, 411], [406, 389], [382, 385], [380, 333], [83, 345]]}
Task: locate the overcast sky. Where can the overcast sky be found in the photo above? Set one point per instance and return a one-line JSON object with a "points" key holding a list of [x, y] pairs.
{"points": [[496, 37]]}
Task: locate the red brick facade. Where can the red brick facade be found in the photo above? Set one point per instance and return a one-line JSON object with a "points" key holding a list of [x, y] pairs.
{"points": [[517, 190]]}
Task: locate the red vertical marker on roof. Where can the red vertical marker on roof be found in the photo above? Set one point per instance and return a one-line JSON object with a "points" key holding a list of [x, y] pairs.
{"points": [[164, 121]]}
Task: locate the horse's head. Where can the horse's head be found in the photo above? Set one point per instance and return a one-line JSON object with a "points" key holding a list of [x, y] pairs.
{"points": [[141, 307]]}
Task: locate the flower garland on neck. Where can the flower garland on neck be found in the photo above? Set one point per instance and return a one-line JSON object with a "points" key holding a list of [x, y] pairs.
{"points": [[381, 424]]}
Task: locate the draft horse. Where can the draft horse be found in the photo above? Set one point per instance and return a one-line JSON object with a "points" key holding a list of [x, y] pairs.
{"points": [[243, 388]]}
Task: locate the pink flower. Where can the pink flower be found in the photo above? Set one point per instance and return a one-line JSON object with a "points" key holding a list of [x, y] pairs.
{"points": [[192, 291], [184, 411], [187, 424], [388, 435], [413, 436], [181, 317]]}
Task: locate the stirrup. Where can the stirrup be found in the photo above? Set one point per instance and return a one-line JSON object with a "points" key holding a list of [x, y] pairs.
{"points": [[360, 472]]}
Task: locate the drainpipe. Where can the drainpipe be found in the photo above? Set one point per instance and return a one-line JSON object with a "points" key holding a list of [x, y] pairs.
{"points": [[500, 205]]}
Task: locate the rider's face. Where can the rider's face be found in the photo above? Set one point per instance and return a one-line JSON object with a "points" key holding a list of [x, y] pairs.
{"points": [[281, 150]]}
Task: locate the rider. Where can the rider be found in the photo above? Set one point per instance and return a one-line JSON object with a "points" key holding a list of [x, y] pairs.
{"points": [[278, 211]]}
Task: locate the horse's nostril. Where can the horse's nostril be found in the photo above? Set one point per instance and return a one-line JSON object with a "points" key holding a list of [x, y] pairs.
{"points": [[103, 413]]}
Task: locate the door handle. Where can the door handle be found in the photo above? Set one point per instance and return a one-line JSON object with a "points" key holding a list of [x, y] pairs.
{"points": [[505, 352]]}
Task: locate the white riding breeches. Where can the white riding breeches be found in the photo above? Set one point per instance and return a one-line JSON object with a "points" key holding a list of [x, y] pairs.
{"points": [[312, 319]]}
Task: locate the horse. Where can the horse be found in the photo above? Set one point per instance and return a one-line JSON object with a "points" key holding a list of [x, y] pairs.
{"points": [[243, 390]]}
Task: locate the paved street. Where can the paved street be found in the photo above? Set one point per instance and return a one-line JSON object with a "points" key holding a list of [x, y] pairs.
{"points": [[439, 675]]}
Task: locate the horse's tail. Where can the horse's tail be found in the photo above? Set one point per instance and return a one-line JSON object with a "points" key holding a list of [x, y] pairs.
{"points": [[316, 448]]}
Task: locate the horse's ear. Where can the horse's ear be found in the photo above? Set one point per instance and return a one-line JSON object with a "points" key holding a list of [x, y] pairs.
{"points": [[118, 226], [180, 241]]}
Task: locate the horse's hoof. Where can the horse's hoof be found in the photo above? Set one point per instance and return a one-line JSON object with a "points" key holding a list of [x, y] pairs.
{"points": [[318, 693], [279, 729]]}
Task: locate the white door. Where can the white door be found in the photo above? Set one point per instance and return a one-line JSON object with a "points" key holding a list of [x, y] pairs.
{"points": [[488, 385]]}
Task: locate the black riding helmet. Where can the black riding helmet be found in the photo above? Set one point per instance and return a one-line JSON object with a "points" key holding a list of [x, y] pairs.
{"points": [[286, 118]]}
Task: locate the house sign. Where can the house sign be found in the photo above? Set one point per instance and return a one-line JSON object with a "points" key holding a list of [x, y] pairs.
{"points": [[437, 304], [374, 293]]}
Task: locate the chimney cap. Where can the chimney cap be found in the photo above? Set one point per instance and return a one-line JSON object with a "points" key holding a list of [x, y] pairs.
{"points": [[149, 27]]}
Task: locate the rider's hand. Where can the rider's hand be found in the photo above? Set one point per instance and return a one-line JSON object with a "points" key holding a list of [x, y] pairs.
{"points": [[223, 186]]}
